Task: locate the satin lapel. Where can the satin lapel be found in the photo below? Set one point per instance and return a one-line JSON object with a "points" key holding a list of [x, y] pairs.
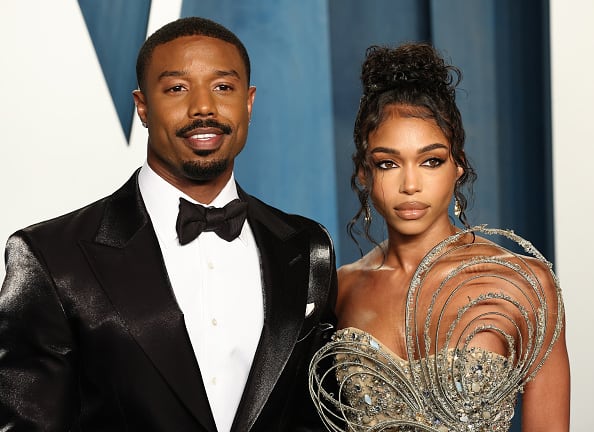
{"points": [[127, 261], [284, 255]]}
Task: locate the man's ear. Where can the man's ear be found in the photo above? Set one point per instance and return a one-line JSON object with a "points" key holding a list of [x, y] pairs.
{"points": [[140, 102], [250, 100]]}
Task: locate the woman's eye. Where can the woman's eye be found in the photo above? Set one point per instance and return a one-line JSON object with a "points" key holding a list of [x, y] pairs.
{"points": [[433, 162], [386, 164]]}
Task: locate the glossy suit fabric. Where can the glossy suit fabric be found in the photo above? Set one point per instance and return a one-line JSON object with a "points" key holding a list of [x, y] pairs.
{"points": [[91, 337]]}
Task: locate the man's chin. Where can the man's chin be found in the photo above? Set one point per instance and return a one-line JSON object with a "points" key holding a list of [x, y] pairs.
{"points": [[205, 171], [204, 152]]}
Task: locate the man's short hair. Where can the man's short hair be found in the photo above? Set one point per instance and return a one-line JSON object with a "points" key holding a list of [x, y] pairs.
{"points": [[191, 26]]}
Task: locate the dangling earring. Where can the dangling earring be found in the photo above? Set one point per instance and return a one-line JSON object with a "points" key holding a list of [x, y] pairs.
{"points": [[367, 213], [457, 208]]}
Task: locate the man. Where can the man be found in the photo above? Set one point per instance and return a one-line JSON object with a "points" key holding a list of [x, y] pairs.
{"points": [[125, 316]]}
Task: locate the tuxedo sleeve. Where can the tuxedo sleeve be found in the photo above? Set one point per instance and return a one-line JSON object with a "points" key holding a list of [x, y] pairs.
{"points": [[37, 377], [309, 418], [324, 281]]}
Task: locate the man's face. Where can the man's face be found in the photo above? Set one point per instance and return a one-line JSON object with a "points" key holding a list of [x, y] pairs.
{"points": [[197, 106]]}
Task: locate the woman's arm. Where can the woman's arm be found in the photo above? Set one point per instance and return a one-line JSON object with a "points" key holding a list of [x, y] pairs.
{"points": [[545, 404]]}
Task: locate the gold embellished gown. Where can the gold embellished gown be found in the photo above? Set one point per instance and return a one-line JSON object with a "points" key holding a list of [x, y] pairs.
{"points": [[447, 382]]}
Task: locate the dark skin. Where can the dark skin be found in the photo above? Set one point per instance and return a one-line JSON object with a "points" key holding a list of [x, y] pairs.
{"points": [[413, 181], [189, 79]]}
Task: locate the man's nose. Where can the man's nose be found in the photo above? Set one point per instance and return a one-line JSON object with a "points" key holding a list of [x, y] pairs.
{"points": [[202, 103]]}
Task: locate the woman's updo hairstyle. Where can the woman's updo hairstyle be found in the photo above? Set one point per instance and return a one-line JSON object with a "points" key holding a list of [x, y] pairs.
{"points": [[417, 80]]}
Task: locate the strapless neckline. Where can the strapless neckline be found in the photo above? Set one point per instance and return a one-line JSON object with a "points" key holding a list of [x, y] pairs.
{"points": [[379, 390], [375, 342]]}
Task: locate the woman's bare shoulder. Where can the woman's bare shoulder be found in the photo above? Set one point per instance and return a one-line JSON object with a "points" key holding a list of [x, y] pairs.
{"points": [[367, 263], [358, 273]]}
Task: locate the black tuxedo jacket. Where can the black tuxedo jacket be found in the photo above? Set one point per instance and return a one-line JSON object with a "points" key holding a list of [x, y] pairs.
{"points": [[92, 339]]}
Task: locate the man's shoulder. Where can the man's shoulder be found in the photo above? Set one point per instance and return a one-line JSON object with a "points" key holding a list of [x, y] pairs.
{"points": [[81, 220], [296, 221]]}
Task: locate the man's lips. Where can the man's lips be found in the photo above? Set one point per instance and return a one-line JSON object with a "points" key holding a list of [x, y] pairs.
{"points": [[203, 126], [204, 139], [204, 135], [411, 210]]}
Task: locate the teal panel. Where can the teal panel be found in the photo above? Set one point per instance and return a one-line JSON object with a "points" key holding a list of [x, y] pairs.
{"points": [[118, 29], [289, 158], [502, 48], [524, 112], [465, 32]]}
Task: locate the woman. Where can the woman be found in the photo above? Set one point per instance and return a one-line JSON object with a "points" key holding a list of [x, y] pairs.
{"points": [[439, 328]]}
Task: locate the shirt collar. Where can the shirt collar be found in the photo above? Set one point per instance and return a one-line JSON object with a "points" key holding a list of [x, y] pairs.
{"points": [[161, 200]]}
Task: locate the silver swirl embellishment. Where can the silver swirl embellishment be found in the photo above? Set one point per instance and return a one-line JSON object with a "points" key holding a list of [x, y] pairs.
{"points": [[480, 321]]}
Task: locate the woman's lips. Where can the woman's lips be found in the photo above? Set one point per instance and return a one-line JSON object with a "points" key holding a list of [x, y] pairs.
{"points": [[411, 210]]}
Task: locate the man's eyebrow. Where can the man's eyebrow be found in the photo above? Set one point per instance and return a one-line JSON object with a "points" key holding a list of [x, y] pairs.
{"points": [[173, 73], [181, 73], [230, 72]]}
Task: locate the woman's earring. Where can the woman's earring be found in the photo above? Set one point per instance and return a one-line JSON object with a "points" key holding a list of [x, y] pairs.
{"points": [[457, 208], [144, 124], [367, 213]]}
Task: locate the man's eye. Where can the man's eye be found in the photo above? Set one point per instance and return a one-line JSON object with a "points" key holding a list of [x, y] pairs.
{"points": [[224, 88], [176, 88]]}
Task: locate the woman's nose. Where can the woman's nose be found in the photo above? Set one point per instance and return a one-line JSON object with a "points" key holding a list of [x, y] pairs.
{"points": [[411, 181]]}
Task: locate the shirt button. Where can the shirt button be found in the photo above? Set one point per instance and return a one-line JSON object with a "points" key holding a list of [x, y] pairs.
{"points": [[214, 381], [210, 265], [214, 322]]}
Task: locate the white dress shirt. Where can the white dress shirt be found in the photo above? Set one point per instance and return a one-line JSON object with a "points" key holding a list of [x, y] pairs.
{"points": [[218, 287]]}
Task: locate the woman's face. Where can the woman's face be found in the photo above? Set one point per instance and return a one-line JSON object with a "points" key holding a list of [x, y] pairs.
{"points": [[413, 174]]}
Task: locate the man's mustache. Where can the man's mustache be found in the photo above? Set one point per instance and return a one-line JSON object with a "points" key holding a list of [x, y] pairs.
{"points": [[208, 123]]}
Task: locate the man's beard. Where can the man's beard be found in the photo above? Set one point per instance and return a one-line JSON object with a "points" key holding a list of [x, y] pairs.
{"points": [[205, 171]]}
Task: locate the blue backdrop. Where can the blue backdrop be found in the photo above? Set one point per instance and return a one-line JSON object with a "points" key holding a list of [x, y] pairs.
{"points": [[306, 59]]}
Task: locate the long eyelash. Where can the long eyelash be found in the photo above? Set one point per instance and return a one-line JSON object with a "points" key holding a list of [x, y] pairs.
{"points": [[379, 164], [439, 161]]}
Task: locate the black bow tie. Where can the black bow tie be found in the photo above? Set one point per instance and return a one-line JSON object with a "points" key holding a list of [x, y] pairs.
{"points": [[194, 219]]}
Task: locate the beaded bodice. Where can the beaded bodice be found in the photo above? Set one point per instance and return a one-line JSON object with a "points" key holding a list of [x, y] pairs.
{"points": [[378, 387], [447, 382]]}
